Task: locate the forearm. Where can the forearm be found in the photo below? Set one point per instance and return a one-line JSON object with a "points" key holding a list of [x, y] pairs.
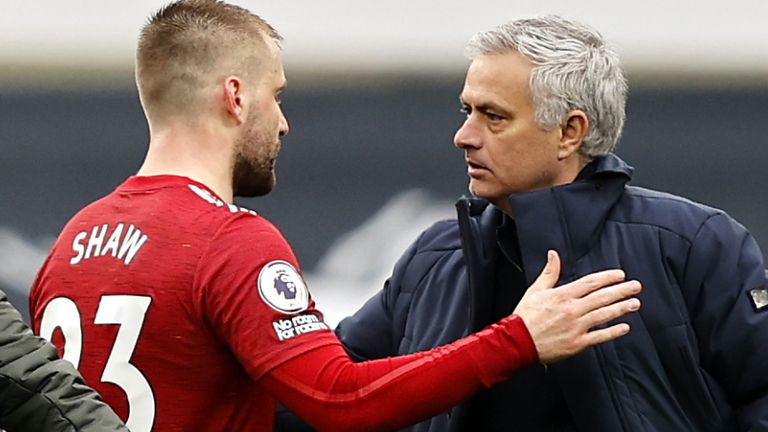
{"points": [[331, 392]]}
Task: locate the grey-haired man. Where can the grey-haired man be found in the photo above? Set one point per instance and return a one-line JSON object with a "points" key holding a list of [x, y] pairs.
{"points": [[544, 101]]}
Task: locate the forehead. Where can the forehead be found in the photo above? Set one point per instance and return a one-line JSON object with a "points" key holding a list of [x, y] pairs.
{"points": [[498, 76], [272, 48], [273, 61]]}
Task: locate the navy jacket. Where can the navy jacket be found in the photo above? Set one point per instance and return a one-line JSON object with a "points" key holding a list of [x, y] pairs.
{"points": [[696, 358]]}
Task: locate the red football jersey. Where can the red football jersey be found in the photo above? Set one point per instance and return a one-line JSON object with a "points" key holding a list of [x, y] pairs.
{"points": [[173, 304]]}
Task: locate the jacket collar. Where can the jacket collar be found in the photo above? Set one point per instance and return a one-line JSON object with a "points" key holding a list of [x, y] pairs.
{"points": [[567, 218]]}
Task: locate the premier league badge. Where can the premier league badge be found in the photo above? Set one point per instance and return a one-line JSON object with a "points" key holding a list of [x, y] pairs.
{"points": [[282, 288]]}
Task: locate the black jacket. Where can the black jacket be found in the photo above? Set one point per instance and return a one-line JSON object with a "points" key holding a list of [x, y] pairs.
{"points": [[697, 356], [39, 392]]}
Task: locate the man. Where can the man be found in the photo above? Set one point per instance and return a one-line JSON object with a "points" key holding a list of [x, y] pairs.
{"points": [[40, 392], [544, 101], [188, 312]]}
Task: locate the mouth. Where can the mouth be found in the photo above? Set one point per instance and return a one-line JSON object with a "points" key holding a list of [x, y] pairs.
{"points": [[475, 169]]}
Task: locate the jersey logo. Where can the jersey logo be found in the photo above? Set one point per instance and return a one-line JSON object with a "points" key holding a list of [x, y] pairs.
{"points": [[282, 288], [759, 298], [210, 198]]}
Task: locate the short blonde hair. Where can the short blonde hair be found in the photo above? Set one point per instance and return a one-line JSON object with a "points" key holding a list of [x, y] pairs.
{"points": [[190, 43]]}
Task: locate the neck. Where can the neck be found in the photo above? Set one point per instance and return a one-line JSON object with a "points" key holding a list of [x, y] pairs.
{"points": [[197, 152], [571, 169], [505, 205]]}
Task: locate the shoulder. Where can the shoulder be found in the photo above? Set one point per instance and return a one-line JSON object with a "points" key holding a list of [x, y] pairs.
{"points": [[665, 211], [437, 248], [249, 239], [231, 222], [442, 236]]}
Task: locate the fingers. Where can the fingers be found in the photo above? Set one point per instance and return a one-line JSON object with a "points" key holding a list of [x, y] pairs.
{"points": [[591, 282], [596, 337], [610, 312], [607, 295], [549, 275]]}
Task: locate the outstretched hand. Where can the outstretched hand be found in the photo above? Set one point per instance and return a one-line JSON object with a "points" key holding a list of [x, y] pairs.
{"points": [[561, 321]]}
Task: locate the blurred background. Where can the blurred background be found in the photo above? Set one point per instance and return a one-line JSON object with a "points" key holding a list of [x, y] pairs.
{"points": [[372, 103]]}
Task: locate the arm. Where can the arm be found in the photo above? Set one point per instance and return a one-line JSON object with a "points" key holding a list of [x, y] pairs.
{"points": [[327, 389], [39, 392], [724, 264], [331, 392]]}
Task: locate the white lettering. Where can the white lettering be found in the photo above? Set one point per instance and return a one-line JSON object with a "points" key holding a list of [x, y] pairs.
{"points": [[204, 194], [304, 319], [78, 248], [281, 325], [133, 241], [95, 241], [306, 328], [290, 327], [210, 198], [114, 241], [124, 250]]}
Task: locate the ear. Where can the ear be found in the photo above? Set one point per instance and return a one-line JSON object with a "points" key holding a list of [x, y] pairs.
{"points": [[572, 133], [233, 98]]}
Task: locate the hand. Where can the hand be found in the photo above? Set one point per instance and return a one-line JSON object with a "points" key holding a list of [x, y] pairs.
{"points": [[560, 320]]}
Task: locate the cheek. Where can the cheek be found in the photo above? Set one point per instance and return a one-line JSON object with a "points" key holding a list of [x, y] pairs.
{"points": [[510, 154], [522, 158]]}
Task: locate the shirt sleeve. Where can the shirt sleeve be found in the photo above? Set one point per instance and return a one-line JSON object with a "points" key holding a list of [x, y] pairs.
{"points": [[254, 298], [331, 392]]}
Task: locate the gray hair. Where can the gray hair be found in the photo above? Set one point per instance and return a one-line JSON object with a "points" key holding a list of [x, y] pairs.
{"points": [[573, 68]]}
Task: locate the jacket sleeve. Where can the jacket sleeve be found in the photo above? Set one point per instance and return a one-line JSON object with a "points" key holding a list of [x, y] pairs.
{"points": [[371, 333], [39, 392], [725, 269]]}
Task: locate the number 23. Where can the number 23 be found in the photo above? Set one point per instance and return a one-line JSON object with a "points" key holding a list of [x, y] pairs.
{"points": [[129, 312]]}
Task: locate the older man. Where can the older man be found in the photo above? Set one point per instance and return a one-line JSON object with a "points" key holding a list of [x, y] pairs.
{"points": [[544, 100]]}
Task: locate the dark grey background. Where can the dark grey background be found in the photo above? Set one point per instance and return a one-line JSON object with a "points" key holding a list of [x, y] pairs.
{"points": [[353, 147]]}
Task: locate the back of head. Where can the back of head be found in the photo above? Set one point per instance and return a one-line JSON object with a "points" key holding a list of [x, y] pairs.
{"points": [[573, 68], [190, 45]]}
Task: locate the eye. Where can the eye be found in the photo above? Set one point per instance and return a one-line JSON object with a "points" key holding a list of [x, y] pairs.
{"points": [[494, 117], [466, 109]]}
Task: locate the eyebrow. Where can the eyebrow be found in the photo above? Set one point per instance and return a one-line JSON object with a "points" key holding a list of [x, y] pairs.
{"points": [[487, 106]]}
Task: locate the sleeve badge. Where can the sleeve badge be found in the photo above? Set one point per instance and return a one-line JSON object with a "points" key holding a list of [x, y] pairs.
{"points": [[759, 298], [282, 288]]}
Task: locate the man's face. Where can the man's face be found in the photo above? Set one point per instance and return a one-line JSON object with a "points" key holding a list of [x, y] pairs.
{"points": [[259, 144], [505, 149]]}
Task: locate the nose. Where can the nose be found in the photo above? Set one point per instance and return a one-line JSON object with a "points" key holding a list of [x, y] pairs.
{"points": [[284, 128], [467, 135]]}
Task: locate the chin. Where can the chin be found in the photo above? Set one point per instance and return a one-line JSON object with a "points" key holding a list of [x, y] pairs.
{"points": [[477, 190], [254, 186], [252, 193]]}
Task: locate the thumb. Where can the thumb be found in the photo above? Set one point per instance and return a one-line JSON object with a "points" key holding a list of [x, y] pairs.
{"points": [[550, 274]]}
